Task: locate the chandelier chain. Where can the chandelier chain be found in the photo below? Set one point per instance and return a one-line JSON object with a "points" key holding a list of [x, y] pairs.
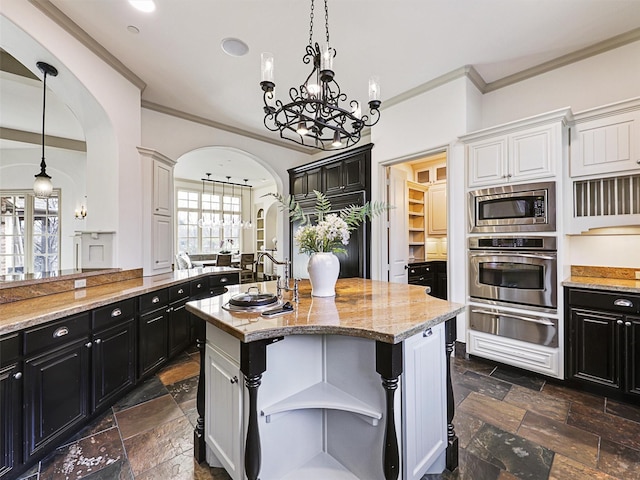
{"points": [[311, 24], [326, 19]]}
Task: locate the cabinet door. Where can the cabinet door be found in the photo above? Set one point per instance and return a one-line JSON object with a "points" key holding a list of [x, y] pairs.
{"points": [[314, 181], [223, 400], [162, 242], [437, 217], [531, 153], [152, 341], [595, 352], [354, 173], [179, 328], [162, 191], [424, 401], [11, 418], [56, 395], [632, 358], [113, 355], [333, 178], [606, 145], [487, 161]]}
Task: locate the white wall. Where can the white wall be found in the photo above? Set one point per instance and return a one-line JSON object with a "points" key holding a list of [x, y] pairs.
{"points": [[599, 80], [605, 250]]}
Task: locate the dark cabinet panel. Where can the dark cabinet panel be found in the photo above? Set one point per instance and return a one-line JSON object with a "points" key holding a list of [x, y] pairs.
{"points": [[179, 327], [152, 341], [10, 419], [55, 394], [113, 362], [333, 178], [632, 334], [595, 353], [304, 183]]}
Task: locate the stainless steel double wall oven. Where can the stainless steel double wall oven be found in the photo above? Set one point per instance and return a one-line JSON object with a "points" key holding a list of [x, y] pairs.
{"points": [[518, 271]]}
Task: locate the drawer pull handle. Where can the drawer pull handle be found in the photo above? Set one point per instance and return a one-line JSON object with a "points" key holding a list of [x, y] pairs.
{"points": [[623, 302], [98, 341], [627, 324], [234, 379], [155, 300], [619, 322], [223, 280], [181, 291], [199, 285], [60, 332], [116, 312], [17, 375], [88, 344], [427, 333]]}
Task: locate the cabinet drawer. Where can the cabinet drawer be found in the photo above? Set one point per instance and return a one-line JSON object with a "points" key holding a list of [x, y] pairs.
{"points": [[227, 279], [178, 292], [56, 333], [611, 301], [199, 286], [9, 348], [153, 300], [111, 314]]}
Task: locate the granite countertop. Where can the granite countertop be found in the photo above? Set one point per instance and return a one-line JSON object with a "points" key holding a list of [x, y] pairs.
{"points": [[35, 311], [389, 312], [598, 283]]}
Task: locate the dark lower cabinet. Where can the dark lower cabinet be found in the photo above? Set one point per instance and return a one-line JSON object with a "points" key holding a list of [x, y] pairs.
{"points": [[152, 341], [55, 394], [596, 356], [11, 402], [113, 363], [603, 342]]}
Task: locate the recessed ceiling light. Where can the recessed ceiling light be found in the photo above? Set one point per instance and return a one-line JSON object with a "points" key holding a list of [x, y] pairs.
{"points": [[146, 6], [234, 47], [133, 29]]}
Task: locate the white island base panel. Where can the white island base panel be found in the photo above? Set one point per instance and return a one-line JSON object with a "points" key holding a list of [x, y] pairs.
{"points": [[321, 407]]}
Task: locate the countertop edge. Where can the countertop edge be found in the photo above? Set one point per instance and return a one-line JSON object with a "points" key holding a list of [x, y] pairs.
{"points": [[284, 331]]}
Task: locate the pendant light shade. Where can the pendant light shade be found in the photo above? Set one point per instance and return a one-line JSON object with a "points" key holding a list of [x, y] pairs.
{"points": [[42, 187]]}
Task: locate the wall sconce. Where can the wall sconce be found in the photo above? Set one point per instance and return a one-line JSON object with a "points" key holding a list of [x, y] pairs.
{"points": [[80, 214]]}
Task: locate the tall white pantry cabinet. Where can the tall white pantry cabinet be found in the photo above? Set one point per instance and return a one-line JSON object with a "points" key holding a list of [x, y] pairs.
{"points": [[321, 407]]}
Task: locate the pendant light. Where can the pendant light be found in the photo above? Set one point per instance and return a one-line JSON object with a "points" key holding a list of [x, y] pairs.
{"points": [[248, 224], [203, 222], [43, 187]]}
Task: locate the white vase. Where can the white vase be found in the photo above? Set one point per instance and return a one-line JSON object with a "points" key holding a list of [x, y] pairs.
{"points": [[323, 268]]}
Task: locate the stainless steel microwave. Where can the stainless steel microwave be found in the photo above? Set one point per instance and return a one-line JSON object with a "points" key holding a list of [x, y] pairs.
{"points": [[513, 208]]}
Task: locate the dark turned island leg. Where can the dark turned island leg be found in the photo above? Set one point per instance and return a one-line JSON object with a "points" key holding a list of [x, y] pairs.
{"points": [[389, 366], [199, 448], [452, 439], [253, 363]]}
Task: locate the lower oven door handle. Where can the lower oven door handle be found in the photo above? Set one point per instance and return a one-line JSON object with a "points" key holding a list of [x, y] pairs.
{"points": [[518, 317], [512, 254]]}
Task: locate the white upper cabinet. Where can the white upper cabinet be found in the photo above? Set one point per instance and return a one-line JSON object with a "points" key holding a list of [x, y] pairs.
{"points": [[606, 140], [520, 151], [162, 188]]}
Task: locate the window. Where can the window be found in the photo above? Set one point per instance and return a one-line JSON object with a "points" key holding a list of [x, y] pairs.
{"points": [[199, 217], [29, 233]]}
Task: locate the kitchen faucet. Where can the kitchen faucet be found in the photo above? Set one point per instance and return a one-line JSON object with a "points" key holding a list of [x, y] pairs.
{"points": [[285, 281]]}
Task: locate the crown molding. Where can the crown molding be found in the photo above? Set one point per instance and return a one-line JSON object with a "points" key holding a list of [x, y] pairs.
{"points": [[36, 139], [221, 126], [55, 14]]}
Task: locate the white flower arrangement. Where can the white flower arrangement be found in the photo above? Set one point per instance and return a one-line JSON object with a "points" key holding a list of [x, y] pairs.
{"points": [[332, 231]]}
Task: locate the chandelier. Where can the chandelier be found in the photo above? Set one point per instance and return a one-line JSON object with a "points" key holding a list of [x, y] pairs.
{"points": [[318, 114]]}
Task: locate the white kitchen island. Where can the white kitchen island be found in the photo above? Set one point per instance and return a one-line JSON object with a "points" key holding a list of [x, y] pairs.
{"points": [[312, 394]]}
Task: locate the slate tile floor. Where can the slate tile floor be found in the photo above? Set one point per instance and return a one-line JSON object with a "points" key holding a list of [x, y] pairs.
{"points": [[510, 425]]}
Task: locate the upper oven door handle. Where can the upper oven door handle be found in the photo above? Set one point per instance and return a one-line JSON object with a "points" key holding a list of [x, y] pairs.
{"points": [[512, 254], [541, 321]]}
